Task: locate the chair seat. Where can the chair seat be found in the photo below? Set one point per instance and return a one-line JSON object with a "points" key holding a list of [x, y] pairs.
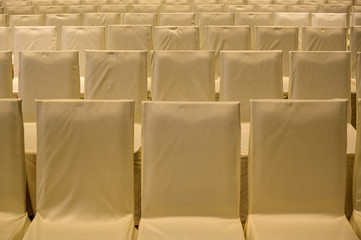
{"points": [[299, 226], [187, 228], [13, 226], [120, 228], [356, 222]]}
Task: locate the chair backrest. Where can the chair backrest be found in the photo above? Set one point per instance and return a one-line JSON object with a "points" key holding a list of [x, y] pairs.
{"points": [[303, 169], [42, 3], [5, 38], [94, 150], [50, 9], [47, 75], [185, 175], [357, 171], [240, 8], [139, 19], [278, 38], [227, 38], [329, 19], [324, 39], [113, 8], [292, 19], [19, 10], [310, 8], [183, 76], [233, 2], [67, 2], [3, 20], [101, 19], [41, 38], [259, 2], [320, 75], [117, 75], [355, 47], [209, 8], [176, 2], [247, 75], [6, 74], [81, 9], [355, 19], [287, 2], [81, 38], [26, 20], [12, 171], [176, 38], [141, 8], [176, 8], [176, 19], [272, 8], [205, 19], [94, 2]]}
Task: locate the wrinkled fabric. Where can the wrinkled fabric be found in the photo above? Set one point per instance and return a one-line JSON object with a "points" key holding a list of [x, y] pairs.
{"points": [[355, 43], [177, 8], [121, 8], [6, 74], [142, 8], [324, 39], [6, 38], [329, 19], [177, 19], [26, 20], [50, 9], [101, 19], [176, 38]]}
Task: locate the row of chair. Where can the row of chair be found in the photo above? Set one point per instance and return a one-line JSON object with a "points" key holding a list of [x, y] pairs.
{"points": [[190, 171]]}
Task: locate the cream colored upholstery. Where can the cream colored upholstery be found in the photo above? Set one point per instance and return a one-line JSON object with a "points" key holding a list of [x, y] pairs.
{"points": [[197, 2], [42, 3], [183, 76], [121, 2], [6, 74], [233, 2], [220, 38], [94, 2], [287, 2], [284, 204], [315, 2], [335, 8], [101, 19], [85, 170], [176, 8], [292, 19], [329, 19], [176, 38], [176, 19], [259, 2], [50, 9], [176, 2], [141, 8], [310, 8], [139, 19], [272, 8], [324, 39], [113, 8], [26, 20], [153, 2], [253, 19], [19, 10], [81, 9], [177, 201], [240, 8], [209, 8], [355, 46], [14, 220], [205, 19], [67, 2], [5, 38]]}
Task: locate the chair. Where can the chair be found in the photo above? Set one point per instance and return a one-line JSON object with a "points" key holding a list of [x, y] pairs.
{"points": [[176, 38], [310, 8], [67, 2], [182, 177], [217, 19], [355, 19], [292, 195], [259, 2], [19, 10], [240, 8], [60, 20], [6, 74], [313, 2], [272, 8], [139, 19], [50, 9], [94, 2], [113, 8], [209, 8], [183, 76], [26, 20], [152, 2], [81, 38], [324, 39], [325, 75], [253, 19], [141, 8], [329, 20], [356, 9], [176, 8], [44, 75], [81, 9], [101, 19], [176, 19], [42, 3], [278, 38], [292, 19], [176, 2], [355, 41], [287, 2], [6, 37], [233, 2], [3, 20], [85, 170], [14, 219]]}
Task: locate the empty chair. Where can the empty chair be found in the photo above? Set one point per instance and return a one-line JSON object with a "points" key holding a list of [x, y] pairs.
{"points": [[85, 170], [310, 8], [42, 3], [139, 19], [81, 9], [14, 219], [253, 19], [152, 2], [304, 199], [205, 19], [233, 2], [209, 8], [6, 74], [26, 20], [5, 38], [197, 2], [101, 19], [67, 2], [176, 19], [94, 2], [324, 39], [176, 38], [272, 8], [3, 20], [335, 8], [176, 2], [355, 43], [50, 9], [176, 8], [292, 19], [240, 8], [287, 2], [329, 19], [183, 76], [356, 9], [141, 8], [81, 38], [113, 8], [314, 2], [259, 2], [355, 19], [19, 10], [182, 178]]}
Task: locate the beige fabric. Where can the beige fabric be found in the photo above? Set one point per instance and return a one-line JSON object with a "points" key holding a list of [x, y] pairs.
{"points": [[19, 10], [292, 19], [67, 2], [50, 9], [101, 19], [240, 8], [176, 38], [316, 2], [176, 9], [358, 76], [233, 2], [335, 8], [183, 76], [98, 135], [304, 8], [272, 8], [81, 38], [6, 74], [226, 38], [259, 2], [81, 9], [356, 9], [209, 8], [33, 38], [176, 19], [141, 8], [178, 202], [205, 19], [287, 2], [94, 2], [355, 19], [287, 205], [26, 20], [121, 1], [139, 18], [153, 2], [252, 20], [117, 75], [15, 3], [355, 46], [5, 36], [278, 38], [42, 3], [176, 2], [112, 8], [13, 217], [324, 39], [3, 20], [329, 19], [196, 2]]}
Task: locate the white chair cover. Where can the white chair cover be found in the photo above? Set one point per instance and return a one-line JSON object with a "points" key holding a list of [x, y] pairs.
{"points": [[176, 9], [101, 19], [113, 8], [335, 8], [176, 38], [205, 19], [14, 220], [6, 74], [259, 2], [153, 2], [5, 38], [355, 46], [226, 38], [324, 39], [121, 2], [141, 8], [329, 19], [85, 170], [183, 76], [94, 2], [292, 19], [177, 19], [355, 19], [284, 204], [310, 8], [240, 8], [50, 9], [197, 2], [315, 2], [182, 178]]}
